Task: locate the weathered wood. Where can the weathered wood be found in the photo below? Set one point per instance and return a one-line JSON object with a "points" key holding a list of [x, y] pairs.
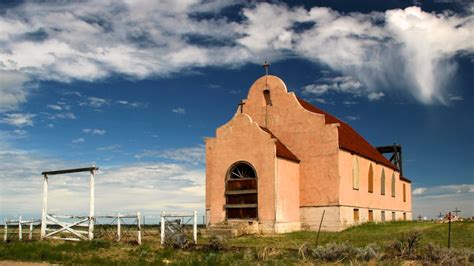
{"points": [[65, 238], [5, 233], [231, 206], [162, 235], [139, 227], [69, 171], [118, 227], [20, 233], [67, 227], [241, 192], [195, 227], [91, 204], [30, 235], [45, 206]]}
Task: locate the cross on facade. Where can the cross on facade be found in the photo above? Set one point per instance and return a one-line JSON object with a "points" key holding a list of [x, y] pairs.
{"points": [[456, 211], [440, 215], [241, 106]]}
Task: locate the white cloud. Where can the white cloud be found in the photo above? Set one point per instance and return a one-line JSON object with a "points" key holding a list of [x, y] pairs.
{"points": [[78, 140], [193, 155], [94, 102], [429, 201], [342, 84], [113, 147], [54, 107], [12, 90], [146, 187], [375, 96], [352, 118], [179, 110], [405, 49], [19, 120], [131, 104], [94, 131], [66, 115]]}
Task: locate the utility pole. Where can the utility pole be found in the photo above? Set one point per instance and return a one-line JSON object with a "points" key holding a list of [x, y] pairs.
{"points": [[449, 230]]}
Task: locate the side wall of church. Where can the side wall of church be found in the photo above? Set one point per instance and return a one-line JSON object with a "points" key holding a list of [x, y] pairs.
{"points": [[288, 196], [379, 202], [304, 133], [240, 140]]}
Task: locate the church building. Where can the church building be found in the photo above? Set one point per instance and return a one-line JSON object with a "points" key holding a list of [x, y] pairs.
{"points": [[281, 165]]}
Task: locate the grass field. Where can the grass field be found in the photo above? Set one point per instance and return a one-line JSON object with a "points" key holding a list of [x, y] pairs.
{"points": [[293, 248]]}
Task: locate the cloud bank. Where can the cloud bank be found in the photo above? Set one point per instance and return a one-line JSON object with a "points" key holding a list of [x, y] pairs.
{"points": [[406, 49]]}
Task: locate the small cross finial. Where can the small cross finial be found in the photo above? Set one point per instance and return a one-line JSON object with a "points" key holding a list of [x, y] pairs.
{"points": [[241, 105], [266, 65]]}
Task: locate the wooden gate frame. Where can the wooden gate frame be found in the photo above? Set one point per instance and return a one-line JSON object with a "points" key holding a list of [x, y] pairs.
{"points": [[87, 221]]}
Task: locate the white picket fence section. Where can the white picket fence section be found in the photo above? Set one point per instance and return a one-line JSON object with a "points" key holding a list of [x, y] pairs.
{"points": [[19, 224]]}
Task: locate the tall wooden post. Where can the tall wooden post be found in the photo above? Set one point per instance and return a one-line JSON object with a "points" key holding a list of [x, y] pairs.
{"points": [[91, 206], [118, 227], [20, 233], [195, 220], [139, 233], [449, 230], [5, 232], [44, 211], [162, 235], [30, 235]]}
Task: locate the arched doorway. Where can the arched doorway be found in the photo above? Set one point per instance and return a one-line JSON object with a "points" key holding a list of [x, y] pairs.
{"points": [[241, 192]]}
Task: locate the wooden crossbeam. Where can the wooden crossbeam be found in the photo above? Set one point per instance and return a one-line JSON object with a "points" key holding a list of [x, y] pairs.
{"points": [[69, 171]]}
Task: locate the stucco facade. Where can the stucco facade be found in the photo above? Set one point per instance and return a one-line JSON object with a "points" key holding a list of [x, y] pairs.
{"points": [[302, 163]]}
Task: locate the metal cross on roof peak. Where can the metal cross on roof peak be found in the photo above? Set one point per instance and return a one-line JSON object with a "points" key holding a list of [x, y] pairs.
{"points": [[266, 65]]}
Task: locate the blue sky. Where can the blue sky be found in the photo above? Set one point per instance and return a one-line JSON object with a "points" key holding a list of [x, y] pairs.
{"points": [[135, 87]]}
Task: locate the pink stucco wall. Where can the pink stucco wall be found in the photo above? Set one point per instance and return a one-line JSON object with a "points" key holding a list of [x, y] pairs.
{"points": [[288, 191], [240, 140], [304, 133], [361, 197]]}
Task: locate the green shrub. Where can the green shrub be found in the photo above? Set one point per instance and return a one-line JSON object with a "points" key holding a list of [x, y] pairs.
{"points": [[445, 256]]}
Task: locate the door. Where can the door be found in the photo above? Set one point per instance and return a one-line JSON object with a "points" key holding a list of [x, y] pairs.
{"points": [[241, 192]]}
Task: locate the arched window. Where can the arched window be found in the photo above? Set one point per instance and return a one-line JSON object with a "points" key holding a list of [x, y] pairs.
{"points": [[382, 182], [393, 184], [267, 97], [371, 179], [355, 173], [241, 192]]}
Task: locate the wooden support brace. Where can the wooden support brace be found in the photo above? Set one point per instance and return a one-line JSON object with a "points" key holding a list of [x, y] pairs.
{"points": [[30, 235], [45, 207], [91, 206], [20, 234], [5, 233], [118, 227]]}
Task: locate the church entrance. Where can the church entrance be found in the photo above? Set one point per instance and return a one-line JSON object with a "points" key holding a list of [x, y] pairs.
{"points": [[241, 192]]}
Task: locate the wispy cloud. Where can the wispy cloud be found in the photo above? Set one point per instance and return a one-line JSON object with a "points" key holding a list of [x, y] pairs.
{"points": [[193, 155], [113, 148], [429, 201], [131, 104], [78, 140], [152, 40], [94, 131], [19, 120], [343, 85], [179, 110], [94, 102]]}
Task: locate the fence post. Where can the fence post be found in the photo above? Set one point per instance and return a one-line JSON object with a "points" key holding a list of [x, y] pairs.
{"points": [[30, 236], [162, 235], [5, 234], [20, 234], [195, 236], [45, 207], [139, 236], [118, 227], [91, 206]]}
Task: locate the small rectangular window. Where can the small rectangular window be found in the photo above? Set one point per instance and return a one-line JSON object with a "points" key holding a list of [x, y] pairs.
{"points": [[356, 215], [404, 193], [382, 216], [404, 216], [393, 216], [371, 215]]}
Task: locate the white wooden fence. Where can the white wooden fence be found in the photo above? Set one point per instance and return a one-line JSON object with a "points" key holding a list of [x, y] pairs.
{"points": [[170, 226], [19, 224], [121, 220]]}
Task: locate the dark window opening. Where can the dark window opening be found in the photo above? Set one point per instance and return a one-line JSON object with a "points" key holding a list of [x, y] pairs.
{"points": [[241, 192], [268, 99]]}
